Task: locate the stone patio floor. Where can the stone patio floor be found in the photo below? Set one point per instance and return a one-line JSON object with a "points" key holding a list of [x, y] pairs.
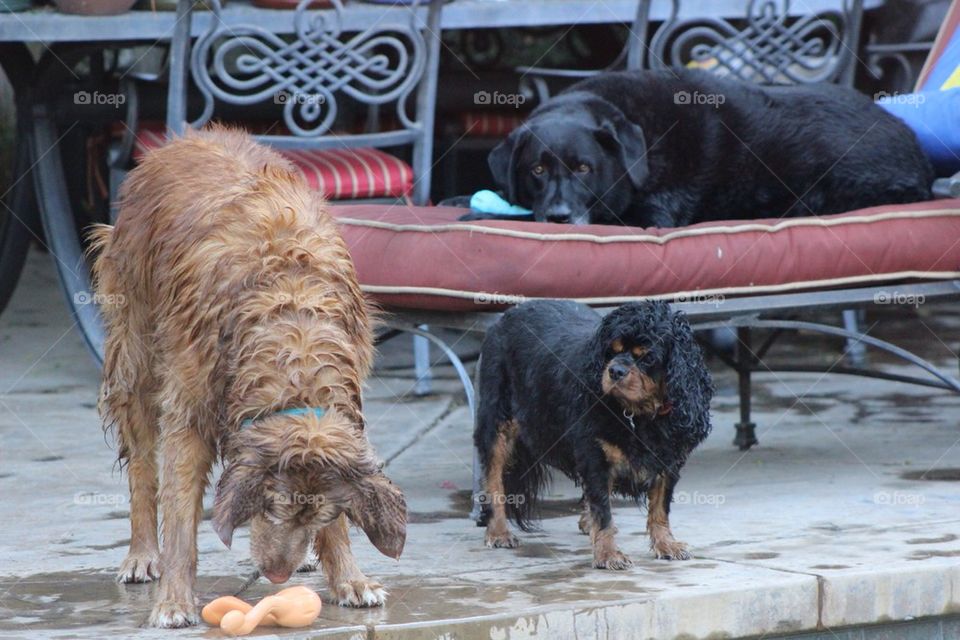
{"points": [[846, 514]]}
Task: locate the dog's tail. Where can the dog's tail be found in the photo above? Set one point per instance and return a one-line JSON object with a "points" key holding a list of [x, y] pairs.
{"points": [[116, 401], [524, 480], [99, 236]]}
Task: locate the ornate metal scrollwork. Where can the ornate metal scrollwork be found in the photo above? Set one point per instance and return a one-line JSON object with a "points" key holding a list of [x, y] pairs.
{"points": [[895, 66], [307, 72], [768, 46]]}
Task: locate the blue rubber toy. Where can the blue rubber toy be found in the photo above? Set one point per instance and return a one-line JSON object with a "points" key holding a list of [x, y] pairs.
{"points": [[486, 201]]}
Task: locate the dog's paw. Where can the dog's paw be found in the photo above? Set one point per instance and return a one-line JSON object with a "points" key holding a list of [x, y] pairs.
{"points": [[505, 540], [139, 567], [584, 524], [174, 615], [670, 550], [615, 560], [361, 593]]}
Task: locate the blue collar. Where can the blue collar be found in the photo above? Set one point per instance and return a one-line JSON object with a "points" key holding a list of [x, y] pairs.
{"points": [[296, 411]]}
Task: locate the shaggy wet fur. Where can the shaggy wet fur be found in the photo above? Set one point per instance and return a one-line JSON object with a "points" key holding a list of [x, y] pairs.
{"points": [[617, 404], [229, 295]]}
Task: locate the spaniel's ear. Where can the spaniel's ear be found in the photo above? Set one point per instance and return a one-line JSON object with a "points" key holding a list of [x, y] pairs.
{"points": [[503, 162], [688, 384], [239, 498], [379, 508], [599, 355]]}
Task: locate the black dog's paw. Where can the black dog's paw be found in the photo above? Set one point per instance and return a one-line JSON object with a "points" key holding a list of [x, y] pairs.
{"points": [[584, 524]]}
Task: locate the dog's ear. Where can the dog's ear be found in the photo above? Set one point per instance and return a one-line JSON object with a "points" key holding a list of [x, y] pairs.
{"points": [[239, 498], [688, 385], [630, 144], [379, 508], [599, 356], [503, 162]]}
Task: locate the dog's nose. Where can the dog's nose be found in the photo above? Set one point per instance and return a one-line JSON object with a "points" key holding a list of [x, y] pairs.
{"points": [[617, 372], [559, 213], [277, 577]]}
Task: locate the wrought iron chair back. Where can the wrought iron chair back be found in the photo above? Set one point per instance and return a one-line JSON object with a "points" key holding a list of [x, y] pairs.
{"points": [[770, 45], [534, 79], [325, 61]]}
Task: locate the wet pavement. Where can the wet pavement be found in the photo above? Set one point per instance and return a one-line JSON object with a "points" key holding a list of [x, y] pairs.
{"points": [[848, 513]]}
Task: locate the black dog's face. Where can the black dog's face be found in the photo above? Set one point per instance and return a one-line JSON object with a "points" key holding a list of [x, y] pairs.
{"points": [[634, 375], [571, 167], [562, 174]]}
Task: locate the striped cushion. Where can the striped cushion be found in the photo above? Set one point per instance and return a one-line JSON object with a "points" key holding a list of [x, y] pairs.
{"points": [[490, 124], [341, 174]]}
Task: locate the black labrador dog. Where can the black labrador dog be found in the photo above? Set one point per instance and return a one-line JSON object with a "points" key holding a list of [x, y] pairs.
{"points": [[676, 147]]}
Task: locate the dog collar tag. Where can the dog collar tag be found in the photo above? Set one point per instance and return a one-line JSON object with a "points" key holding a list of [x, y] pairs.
{"points": [[629, 416]]}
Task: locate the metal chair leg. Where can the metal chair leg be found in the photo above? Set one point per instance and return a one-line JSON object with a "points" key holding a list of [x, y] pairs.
{"points": [[423, 332], [116, 179], [421, 364], [856, 350], [746, 435]]}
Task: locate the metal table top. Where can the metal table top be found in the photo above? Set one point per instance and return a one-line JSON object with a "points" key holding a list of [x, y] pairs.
{"points": [[49, 26]]}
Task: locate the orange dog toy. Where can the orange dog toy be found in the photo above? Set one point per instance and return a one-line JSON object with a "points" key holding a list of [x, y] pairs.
{"points": [[292, 607]]}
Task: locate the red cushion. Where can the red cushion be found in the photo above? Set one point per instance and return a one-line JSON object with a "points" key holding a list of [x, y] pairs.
{"points": [[346, 174], [341, 174], [490, 124], [422, 258]]}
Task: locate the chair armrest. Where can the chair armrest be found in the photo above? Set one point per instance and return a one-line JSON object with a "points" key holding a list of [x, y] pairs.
{"points": [[556, 73], [538, 77]]}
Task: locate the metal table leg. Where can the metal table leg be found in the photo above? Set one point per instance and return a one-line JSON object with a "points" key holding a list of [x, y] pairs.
{"points": [[61, 231], [18, 213]]}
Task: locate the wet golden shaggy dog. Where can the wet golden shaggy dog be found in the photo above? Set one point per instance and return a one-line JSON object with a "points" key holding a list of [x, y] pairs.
{"points": [[240, 332]]}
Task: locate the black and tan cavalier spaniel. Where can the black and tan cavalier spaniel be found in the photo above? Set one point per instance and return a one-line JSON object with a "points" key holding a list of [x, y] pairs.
{"points": [[616, 403]]}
